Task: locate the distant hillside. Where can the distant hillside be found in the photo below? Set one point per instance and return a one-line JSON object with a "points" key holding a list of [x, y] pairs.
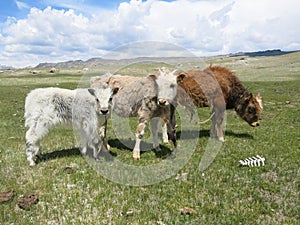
{"points": [[95, 62], [274, 52], [4, 67]]}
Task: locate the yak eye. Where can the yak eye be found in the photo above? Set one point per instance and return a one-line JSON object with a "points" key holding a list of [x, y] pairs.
{"points": [[251, 110], [172, 85]]}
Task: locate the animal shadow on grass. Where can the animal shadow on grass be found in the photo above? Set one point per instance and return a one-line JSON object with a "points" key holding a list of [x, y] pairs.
{"points": [[108, 156], [191, 134], [238, 135], [128, 145], [58, 154]]}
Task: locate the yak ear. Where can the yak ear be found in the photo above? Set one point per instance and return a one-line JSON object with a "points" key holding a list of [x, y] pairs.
{"points": [[248, 97], [152, 76], [92, 91], [115, 90], [181, 77]]}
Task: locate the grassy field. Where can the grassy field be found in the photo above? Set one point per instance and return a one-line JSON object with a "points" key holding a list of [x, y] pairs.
{"points": [[224, 193]]}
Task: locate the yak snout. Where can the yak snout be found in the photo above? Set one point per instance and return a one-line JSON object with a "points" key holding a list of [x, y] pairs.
{"points": [[163, 102], [104, 111], [255, 124]]}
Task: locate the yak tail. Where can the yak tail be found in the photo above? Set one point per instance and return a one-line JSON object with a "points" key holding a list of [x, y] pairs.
{"points": [[205, 121]]}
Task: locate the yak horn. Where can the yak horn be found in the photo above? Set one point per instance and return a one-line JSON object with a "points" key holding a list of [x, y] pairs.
{"points": [[174, 71]]}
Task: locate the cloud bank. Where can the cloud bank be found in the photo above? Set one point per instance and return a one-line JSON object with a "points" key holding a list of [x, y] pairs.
{"points": [[203, 27]]}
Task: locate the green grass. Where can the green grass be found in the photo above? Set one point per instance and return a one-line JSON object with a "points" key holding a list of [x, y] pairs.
{"points": [[222, 194]]}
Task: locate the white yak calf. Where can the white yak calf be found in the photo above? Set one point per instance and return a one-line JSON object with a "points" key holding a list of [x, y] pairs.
{"points": [[85, 109]]}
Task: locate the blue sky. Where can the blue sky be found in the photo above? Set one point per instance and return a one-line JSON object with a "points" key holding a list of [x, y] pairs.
{"points": [[20, 9], [35, 31]]}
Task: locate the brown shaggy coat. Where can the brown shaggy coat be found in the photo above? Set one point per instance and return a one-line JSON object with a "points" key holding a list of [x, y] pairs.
{"points": [[203, 90], [247, 105], [203, 87]]}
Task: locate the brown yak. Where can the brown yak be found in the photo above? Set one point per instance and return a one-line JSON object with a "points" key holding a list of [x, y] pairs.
{"points": [[198, 88], [203, 87]]}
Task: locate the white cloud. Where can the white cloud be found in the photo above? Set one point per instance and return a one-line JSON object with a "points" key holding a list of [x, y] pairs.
{"points": [[265, 25], [204, 27], [22, 5]]}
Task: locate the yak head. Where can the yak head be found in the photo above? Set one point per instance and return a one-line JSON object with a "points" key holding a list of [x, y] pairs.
{"points": [[166, 86], [103, 97], [249, 108]]}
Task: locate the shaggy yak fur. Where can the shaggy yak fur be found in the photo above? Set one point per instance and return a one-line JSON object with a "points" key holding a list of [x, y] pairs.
{"points": [[120, 82], [219, 88], [203, 90], [85, 109], [147, 98]]}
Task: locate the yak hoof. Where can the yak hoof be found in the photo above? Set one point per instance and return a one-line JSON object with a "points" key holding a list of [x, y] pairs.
{"points": [[221, 139], [32, 164], [136, 155], [84, 151], [157, 149]]}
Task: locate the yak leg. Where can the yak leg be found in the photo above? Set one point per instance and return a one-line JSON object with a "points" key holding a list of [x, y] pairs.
{"points": [[84, 138], [171, 129], [32, 146], [138, 137], [33, 136], [154, 129], [219, 127], [172, 136], [213, 133], [165, 132], [95, 147], [216, 127], [102, 134], [169, 120], [90, 137]]}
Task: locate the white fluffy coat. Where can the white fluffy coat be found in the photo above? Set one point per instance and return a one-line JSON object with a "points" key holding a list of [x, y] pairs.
{"points": [[85, 109]]}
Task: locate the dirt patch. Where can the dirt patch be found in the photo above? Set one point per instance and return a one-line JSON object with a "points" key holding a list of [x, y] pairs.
{"points": [[6, 196], [26, 201]]}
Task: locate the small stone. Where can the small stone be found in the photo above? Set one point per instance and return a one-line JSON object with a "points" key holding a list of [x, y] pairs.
{"points": [[129, 213], [186, 211]]}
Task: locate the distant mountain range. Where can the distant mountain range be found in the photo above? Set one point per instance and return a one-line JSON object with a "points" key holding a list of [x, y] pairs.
{"points": [[274, 52], [4, 67], [94, 62]]}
